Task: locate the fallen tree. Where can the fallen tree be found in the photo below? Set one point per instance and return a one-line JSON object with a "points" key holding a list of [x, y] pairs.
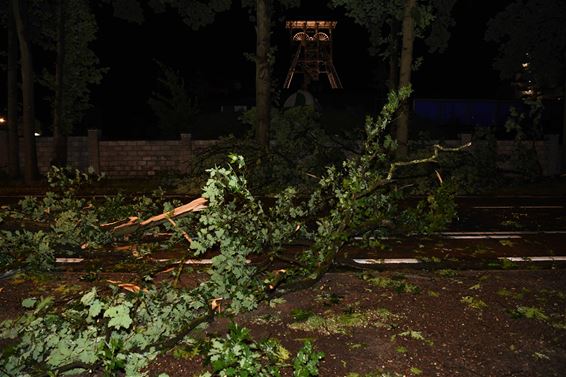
{"points": [[119, 332]]}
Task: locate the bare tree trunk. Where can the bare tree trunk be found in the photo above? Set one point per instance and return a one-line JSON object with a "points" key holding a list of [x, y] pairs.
{"points": [[408, 29], [30, 157], [263, 74], [393, 79], [563, 164], [12, 82], [59, 131]]}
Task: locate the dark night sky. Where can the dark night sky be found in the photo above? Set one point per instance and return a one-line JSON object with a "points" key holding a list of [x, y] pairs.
{"points": [[215, 54], [464, 70]]}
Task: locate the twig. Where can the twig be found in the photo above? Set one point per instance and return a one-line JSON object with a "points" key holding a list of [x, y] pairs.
{"points": [[187, 237], [179, 271], [437, 148]]}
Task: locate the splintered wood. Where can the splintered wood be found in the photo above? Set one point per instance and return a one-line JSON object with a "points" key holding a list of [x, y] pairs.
{"points": [[133, 223]]}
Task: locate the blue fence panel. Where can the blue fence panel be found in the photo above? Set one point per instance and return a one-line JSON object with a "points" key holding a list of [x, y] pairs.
{"points": [[481, 113]]}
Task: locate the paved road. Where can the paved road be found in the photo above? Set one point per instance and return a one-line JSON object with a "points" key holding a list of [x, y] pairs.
{"points": [[488, 229], [489, 232], [511, 214]]}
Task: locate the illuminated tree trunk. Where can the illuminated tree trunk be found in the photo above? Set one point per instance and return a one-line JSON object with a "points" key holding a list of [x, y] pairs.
{"points": [[12, 82], [59, 131], [408, 29], [263, 74]]}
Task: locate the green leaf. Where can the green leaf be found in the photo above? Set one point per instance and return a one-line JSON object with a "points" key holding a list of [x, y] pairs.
{"points": [[89, 297], [95, 308], [29, 303], [60, 355], [88, 356], [416, 371], [119, 316]]}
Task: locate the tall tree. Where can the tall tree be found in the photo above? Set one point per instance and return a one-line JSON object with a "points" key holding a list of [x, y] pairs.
{"points": [[12, 98], [265, 10], [59, 135], [20, 12], [197, 14], [68, 29], [532, 33], [263, 72], [174, 107], [194, 13], [393, 26], [408, 33]]}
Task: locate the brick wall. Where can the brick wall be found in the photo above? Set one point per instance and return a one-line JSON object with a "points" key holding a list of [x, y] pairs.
{"points": [[117, 159], [122, 159], [77, 152], [3, 150], [548, 153], [140, 158]]}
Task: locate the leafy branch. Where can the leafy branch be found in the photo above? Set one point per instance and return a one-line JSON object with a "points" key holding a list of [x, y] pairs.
{"points": [[123, 332]]}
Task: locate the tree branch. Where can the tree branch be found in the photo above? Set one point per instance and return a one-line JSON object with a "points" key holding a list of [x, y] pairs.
{"points": [[437, 148]]}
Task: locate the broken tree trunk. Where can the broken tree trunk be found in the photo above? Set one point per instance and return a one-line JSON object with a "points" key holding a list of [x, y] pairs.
{"points": [[133, 224]]}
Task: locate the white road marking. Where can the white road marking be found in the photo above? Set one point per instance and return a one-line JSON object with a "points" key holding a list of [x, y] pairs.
{"points": [[359, 260], [493, 207], [192, 261], [416, 261], [534, 259], [520, 207], [495, 237], [388, 261], [482, 235], [496, 234], [69, 260], [541, 207], [502, 233]]}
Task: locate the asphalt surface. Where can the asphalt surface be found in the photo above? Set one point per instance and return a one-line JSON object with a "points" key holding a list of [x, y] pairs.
{"points": [[489, 232]]}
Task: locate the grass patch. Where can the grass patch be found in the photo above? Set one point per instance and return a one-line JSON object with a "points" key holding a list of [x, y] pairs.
{"points": [[397, 283], [342, 323], [473, 302]]}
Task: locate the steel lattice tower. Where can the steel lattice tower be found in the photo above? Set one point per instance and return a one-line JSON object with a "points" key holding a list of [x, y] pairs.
{"points": [[313, 54]]}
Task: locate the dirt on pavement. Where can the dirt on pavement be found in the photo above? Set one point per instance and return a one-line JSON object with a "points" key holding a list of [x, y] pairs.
{"points": [[431, 319]]}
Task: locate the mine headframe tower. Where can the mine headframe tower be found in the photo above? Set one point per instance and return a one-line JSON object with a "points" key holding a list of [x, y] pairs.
{"points": [[313, 55]]}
